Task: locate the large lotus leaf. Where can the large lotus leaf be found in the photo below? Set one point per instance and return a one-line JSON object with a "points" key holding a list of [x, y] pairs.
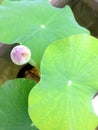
{"points": [[62, 100], [36, 24], [14, 105]]}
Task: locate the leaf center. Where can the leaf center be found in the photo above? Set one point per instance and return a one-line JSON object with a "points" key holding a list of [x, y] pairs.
{"points": [[43, 26], [69, 83]]}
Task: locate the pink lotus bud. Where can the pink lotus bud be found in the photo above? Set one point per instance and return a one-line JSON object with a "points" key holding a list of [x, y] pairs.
{"points": [[20, 55]]}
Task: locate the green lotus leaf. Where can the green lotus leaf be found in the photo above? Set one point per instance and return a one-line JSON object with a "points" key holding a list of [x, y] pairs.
{"points": [[36, 24], [62, 100], [14, 105]]}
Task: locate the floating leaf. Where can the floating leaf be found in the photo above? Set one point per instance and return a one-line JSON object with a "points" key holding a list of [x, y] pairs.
{"points": [[36, 24], [14, 105], [62, 100]]}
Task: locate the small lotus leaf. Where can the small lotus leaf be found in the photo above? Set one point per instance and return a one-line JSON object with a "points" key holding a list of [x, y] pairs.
{"points": [[14, 105]]}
